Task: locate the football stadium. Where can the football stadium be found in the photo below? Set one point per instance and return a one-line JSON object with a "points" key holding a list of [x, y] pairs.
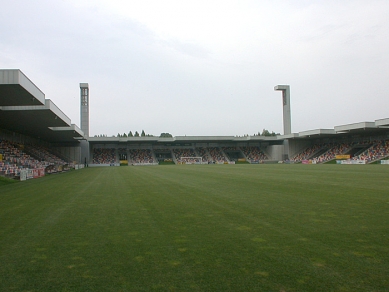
{"points": [[305, 211]]}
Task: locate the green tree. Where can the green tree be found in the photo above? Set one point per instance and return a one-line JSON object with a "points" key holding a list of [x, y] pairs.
{"points": [[136, 134], [124, 135], [265, 132], [143, 133], [130, 134], [166, 135]]}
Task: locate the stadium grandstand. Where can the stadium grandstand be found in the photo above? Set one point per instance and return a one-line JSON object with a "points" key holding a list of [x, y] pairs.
{"points": [[37, 138]]}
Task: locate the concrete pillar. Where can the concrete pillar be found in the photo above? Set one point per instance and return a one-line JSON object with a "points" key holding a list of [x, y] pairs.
{"points": [[84, 107], [286, 107], [84, 120], [287, 120]]}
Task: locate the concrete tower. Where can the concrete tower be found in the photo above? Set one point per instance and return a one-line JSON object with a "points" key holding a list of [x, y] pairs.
{"points": [[286, 107], [286, 115], [84, 118]]}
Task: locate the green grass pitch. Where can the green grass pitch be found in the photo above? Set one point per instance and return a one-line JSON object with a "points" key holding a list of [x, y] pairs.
{"points": [[198, 228]]}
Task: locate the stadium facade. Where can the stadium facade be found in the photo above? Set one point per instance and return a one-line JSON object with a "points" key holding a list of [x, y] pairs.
{"points": [[28, 118]]}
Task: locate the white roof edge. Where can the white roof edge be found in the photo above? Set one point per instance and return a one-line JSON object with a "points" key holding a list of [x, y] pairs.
{"points": [[56, 110], [203, 137], [361, 125], [317, 132], [382, 122], [49, 105], [288, 136], [187, 138], [72, 127], [16, 76]]}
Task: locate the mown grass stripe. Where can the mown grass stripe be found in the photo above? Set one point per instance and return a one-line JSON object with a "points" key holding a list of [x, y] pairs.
{"points": [[198, 228]]}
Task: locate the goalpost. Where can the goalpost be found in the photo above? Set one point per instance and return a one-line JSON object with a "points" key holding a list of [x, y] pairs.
{"points": [[191, 160]]}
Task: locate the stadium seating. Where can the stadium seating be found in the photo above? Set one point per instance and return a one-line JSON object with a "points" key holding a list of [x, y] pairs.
{"points": [[186, 152], [379, 150], [43, 154], [254, 154], [316, 153], [15, 159], [307, 153], [203, 153], [364, 150], [104, 156], [217, 155], [333, 150], [141, 156]]}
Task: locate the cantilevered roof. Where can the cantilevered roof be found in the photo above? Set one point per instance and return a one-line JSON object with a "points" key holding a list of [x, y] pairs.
{"points": [[183, 139], [361, 128], [46, 122], [16, 89], [318, 132], [355, 127], [66, 134], [374, 128], [24, 110], [382, 123]]}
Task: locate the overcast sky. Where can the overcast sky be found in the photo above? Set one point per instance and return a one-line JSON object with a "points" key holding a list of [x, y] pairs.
{"points": [[201, 68]]}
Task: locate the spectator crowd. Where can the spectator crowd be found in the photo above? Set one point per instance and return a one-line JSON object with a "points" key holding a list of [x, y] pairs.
{"points": [[15, 159]]}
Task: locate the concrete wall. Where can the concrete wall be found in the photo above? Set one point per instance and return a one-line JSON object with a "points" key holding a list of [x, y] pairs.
{"points": [[296, 146], [70, 153], [275, 151], [85, 153]]}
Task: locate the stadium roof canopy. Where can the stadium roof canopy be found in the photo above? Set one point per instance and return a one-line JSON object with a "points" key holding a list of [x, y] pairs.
{"points": [[182, 139], [24, 109], [379, 127]]}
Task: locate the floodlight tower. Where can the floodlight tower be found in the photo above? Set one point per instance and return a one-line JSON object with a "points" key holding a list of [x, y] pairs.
{"points": [[84, 121], [286, 107], [286, 116]]}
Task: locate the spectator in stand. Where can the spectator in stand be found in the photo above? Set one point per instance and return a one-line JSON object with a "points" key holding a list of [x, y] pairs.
{"points": [[334, 149], [379, 150], [141, 156], [217, 155], [254, 154], [15, 160], [307, 153], [104, 156], [203, 153], [185, 152]]}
